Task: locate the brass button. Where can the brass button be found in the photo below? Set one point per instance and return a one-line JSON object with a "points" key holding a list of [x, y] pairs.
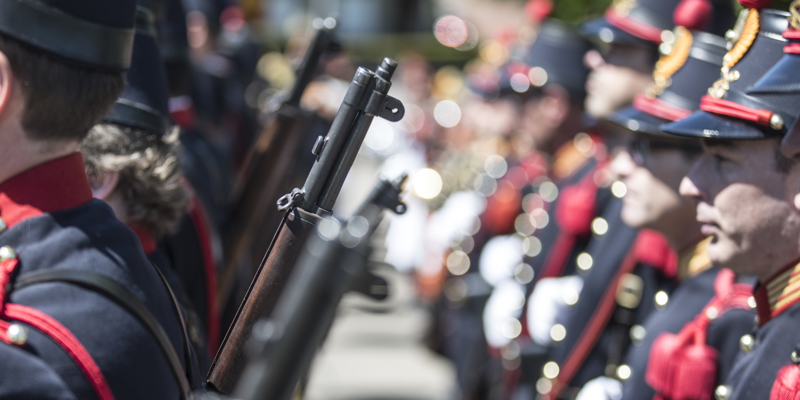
{"points": [[747, 343], [623, 372], [551, 370], [722, 392], [17, 334], [638, 333], [712, 313], [7, 253], [662, 298], [751, 301], [599, 226], [585, 261], [795, 357]]}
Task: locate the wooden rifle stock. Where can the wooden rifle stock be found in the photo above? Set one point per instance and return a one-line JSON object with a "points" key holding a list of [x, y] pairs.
{"points": [[334, 259], [366, 97], [264, 176]]}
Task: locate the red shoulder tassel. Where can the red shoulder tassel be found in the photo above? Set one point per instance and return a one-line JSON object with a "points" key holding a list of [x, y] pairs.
{"points": [[575, 210], [660, 371], [787, 385], [696, 373]]}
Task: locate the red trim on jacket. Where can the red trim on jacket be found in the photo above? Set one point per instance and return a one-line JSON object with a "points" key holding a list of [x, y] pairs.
{"points": [[200, 222], [780, 292], [55, 185], [50, 327], [145, 238]]}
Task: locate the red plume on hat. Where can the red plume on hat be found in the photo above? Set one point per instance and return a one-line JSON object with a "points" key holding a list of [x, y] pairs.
{"points": [[538, 10], [756, 4], [693, 14]]}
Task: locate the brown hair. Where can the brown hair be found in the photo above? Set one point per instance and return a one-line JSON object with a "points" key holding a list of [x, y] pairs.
{"points": [[149, 173], [62, 100]]}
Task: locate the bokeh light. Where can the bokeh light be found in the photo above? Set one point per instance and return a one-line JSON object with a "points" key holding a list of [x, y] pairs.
{"points": [[427, 183], [451, 31], [447, 113]]}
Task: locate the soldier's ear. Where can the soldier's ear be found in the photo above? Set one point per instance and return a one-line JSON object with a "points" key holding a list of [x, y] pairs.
{"points": [[103, 184]]}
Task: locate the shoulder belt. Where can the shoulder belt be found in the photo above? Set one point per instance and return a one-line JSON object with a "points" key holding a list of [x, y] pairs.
{"points": [[120, 294]]}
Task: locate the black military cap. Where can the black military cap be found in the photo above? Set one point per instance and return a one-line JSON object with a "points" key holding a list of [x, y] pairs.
{"points": [[642, 22], [94, 33], [145, 102], [681, 78], [555, 57], [728, 112], [784, 77]]}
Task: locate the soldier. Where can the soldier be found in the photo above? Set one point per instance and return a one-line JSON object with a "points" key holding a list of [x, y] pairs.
{"points": [[132, 160], [84, 313], [651, 169], [745, 191], [629, 37], [585, 344]]}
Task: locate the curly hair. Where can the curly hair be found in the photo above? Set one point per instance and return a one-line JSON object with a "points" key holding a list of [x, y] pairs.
{"points": [[149, 173]]}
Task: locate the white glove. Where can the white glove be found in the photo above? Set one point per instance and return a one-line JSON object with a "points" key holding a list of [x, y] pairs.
{"points": [[550, 304], [499, 257], [502, 312], [601, 388]]}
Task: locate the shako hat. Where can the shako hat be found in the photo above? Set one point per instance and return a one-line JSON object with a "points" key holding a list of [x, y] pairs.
{"points": [[727, 111], [145, 102], [92, 33], [556, 56], [784, 77], [642, 22], [681, 78]]}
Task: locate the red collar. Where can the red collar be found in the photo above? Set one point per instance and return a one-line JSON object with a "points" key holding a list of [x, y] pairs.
{"points": [[55, 185], [779, 293], [148, 243]]}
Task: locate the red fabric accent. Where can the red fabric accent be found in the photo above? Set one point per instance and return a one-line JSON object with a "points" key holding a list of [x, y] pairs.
{"points": [[64, 338], [653, 249], [574, 215], [200, 222], [634, 27], [762, 305], [591, 333], [181, 110], [148, 243], [692, 14], [660, 108], [736, 110], [791, 34], [787, 384], [537, 10], [55, 185], [793, 48], [576, 209], [682, 366], [757, 4], [50, 327]]}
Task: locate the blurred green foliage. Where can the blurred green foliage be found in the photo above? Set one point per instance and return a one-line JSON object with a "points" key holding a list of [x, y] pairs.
{"points": [[576, 11]]}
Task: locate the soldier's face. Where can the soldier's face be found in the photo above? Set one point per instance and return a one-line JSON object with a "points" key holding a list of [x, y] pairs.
{"points": [[616, 76], [747, 204], [652, 176]]}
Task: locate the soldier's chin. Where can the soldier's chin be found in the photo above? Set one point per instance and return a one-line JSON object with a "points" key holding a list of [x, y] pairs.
{"points": [[724, 254]]}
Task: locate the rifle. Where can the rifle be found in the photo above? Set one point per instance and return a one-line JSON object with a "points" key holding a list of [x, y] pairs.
{"points": [[263, 177], [333, 262], [366, 98]]}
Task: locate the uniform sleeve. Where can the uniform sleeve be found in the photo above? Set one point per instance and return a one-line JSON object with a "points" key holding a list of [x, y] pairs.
{"points": [[724, 334], [24, 376]]}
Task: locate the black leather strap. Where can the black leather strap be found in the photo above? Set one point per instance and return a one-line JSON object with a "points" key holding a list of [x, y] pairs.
{"points": [[119, 293], [176, 306], [50, 29]]}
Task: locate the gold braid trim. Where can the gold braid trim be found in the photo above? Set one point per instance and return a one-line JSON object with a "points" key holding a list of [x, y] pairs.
{"points": [[794, 19], [670, 63], [746, 40]]}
